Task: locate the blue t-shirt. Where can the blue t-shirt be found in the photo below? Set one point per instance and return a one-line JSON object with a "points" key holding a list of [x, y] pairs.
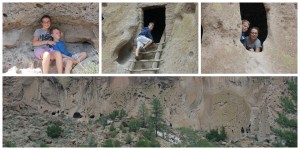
{"points": [[60, 46], [146, 32], [243, 37]]}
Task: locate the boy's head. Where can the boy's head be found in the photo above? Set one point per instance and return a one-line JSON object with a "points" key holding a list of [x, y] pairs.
{"points": [[245, 25], [55, 33], [151, 26], [254, 33]]}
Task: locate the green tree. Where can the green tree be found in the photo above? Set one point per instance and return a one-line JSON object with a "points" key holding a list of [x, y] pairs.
{"points": [[157, 115], [143, 115], [287, 132], [214, 135]]}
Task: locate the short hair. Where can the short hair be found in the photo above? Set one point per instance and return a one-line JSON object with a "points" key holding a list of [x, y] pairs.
{"points": [[54, 28], [245, 21], [45, 16], [255, 28], [151, 23]]}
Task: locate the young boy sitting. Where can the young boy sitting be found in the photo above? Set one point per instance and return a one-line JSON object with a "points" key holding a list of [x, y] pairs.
{"points": [[69, 59], [245, 26]]}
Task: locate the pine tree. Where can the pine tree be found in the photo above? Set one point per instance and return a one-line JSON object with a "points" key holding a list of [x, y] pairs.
{"points": [[143, 114], [288, 132], [156, 116]]}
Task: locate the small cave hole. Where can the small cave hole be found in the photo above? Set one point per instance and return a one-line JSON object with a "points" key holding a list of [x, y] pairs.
{"points": [[77, 115], [92, 116], [242, 130], [39, 5], [256, 14], [4, 15], [124, 52], [156, 14], [53, 113]]}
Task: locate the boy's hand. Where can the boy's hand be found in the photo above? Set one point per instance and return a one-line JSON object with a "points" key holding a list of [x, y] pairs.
{"points": [[51, 42]]}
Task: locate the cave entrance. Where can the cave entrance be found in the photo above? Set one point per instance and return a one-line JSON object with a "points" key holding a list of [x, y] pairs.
{"points": [[256, 14], [156, 14]]}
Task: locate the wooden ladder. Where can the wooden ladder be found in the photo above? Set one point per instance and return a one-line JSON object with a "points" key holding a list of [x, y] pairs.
{"points": [[155, 61]]}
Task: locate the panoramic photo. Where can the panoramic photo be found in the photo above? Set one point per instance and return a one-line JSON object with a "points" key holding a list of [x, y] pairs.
{"points": [[149, 111]]}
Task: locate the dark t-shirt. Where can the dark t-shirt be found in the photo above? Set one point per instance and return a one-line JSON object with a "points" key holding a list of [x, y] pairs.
{"points": [[42, 36]]}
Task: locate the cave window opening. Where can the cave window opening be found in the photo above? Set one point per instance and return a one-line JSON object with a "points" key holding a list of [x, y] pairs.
{"points": [[77, 115], [156, 14], [256, 14]]}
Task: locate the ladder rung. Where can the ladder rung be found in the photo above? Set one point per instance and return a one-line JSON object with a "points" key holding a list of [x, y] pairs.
{"points": [[151, 60], [140, 70], [150, 52]]}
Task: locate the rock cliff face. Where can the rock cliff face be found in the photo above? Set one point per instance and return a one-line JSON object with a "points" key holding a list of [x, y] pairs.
{"points": [[122, 23], [222, 51], [78, 21], [197, 102]]}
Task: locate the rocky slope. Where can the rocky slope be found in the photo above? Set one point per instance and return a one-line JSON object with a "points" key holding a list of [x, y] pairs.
{"points": [[78, 21], [122, 23], [197, 102], [222, 52]]}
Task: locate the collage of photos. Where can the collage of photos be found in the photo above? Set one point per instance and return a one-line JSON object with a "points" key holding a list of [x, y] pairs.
{"points": [[87, 74]]}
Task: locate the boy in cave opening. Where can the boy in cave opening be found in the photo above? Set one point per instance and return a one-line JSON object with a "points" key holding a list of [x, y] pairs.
{"points": [[245, 26], [144, 39]]}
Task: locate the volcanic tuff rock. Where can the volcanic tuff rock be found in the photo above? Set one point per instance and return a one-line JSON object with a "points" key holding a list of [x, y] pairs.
{"points": [[78, 21], [222, 51], [197, 102], [122, 23]]}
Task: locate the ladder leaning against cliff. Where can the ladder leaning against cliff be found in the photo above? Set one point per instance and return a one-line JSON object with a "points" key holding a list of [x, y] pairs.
{"points": [[155, 61]]}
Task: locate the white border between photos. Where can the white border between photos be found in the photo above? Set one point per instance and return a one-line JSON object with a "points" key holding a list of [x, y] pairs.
{"points": [[169, 75]]}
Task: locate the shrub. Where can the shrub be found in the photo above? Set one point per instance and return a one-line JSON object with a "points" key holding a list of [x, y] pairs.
{"points": [[117, 143], [149, 134], [108, 143], [43, 145], [134, 125], [92, 141], [122, 114], [142, 143], [9, 144], [113, 133], [54, 131], [103, 120], [112, 128], [113, 114], [128, 139], [111, 143], [214, 135]]}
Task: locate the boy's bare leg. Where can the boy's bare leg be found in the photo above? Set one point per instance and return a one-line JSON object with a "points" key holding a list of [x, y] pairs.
{"points": [[58, 59], [81, 57], [68, 67], [137, 51], [150, 42], [46, 62]]}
